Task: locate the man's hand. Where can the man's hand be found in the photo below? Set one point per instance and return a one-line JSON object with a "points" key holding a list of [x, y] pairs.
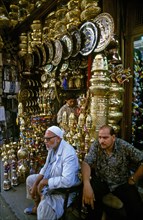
{"points": [[43, 182], [33, 191], [88, 195], [131, 180]]}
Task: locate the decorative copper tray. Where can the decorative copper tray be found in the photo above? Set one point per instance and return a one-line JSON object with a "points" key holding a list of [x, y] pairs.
{"points": [[44, 77], [42, 48], [58, 51], [76, 42], [64, 66], [105, 23], [67, 44], [49, 51], [89, 36]]}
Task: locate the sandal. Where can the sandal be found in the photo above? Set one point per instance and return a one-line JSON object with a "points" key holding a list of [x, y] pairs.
{"points": [[29, 211]]}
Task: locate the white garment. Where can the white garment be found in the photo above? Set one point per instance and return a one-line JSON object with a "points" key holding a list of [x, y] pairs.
{"points": [[63, 173], [45, 209]]}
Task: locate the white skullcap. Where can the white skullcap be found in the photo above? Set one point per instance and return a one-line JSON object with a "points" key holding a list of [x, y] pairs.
{"points": [[56, 130]]}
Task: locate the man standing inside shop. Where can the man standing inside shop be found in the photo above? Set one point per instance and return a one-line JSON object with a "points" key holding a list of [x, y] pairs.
{"points": [[112, 167], [60, 170], [69, 107]]}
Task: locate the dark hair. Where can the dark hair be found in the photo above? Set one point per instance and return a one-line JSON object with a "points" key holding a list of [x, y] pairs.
{"points": [[71, 96], [111, 129]]}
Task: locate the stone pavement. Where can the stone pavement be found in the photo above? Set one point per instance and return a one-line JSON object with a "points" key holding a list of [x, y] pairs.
{"points": [[13, 202], [5, 211]]}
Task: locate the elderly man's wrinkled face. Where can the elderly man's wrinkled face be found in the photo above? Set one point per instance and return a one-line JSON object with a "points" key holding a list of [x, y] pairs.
{"points": [[51, 140]]}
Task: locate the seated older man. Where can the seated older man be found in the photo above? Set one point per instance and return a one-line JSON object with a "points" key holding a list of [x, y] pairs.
{"points": [[60, 170]]}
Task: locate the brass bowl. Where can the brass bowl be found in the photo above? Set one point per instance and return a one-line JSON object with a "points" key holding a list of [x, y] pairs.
{"points": [[51, 23], [14, 22], [72, 4], [90, 13], [117, 116], [72, 25], [14, 8], [13, 15], [51, 15], [86, 3], [51, 34], [22, 153], [23, 2], [73, 15], [60, 27], [60, 14]]}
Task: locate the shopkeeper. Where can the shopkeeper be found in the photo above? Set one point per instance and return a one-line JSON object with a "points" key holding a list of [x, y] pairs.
{"points": [[69, 107]]}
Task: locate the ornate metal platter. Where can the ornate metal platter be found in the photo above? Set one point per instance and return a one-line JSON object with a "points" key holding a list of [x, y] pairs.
{"points": [[89, 36], [36, 57], [41, 54], [76, 42], [44, 77], [67, 43], [24, 94], [105, 23], [58, 51], [44, 54], [48, 68], [49, 50], [64, 66]]}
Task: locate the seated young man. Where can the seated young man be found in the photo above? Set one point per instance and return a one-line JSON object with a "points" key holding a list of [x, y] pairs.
{"points": [[112, 159]]}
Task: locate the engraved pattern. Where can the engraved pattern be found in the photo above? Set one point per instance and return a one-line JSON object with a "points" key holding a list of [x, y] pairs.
{"points": [[89, 36], [50, 51], [58, 52], [105, 23], [76, 42], [67, 46]]}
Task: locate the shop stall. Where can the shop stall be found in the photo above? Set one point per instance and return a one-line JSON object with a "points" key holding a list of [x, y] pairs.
{"points": [[50, 49]]}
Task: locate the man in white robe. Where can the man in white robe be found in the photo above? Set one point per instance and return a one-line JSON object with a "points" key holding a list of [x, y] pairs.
{"points": [[60, 170]]}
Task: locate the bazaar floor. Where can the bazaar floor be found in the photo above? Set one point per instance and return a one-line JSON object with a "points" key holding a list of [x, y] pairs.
{"points": [[13, 202]]}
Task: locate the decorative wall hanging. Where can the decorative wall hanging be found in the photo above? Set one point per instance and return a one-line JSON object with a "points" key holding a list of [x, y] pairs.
{"points": [[89, 35], [105, 23]]}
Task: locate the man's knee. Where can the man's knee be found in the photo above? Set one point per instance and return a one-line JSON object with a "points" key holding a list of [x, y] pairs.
{"points": [[31, 179]]}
